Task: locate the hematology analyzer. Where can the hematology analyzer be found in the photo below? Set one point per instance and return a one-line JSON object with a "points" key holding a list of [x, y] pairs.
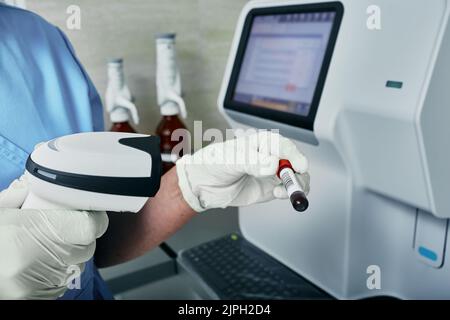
{"points": [[370, 110]]}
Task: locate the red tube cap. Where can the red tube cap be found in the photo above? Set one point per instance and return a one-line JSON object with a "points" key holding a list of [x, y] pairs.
{"points": [[283, 164]]}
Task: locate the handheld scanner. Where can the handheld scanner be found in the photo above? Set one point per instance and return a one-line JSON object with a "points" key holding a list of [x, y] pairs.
{"points": [[102, 171]]}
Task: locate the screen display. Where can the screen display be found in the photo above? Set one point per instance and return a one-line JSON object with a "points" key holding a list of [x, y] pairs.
{"points": [[282, 61]]}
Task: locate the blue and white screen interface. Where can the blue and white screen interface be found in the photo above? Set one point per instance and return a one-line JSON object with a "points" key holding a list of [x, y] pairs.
{"points": [[282, 61]]}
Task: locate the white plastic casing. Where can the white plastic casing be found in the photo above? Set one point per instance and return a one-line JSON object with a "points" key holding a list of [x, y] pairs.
{"points": [[95, 154], [381, 155], [89, 154]]}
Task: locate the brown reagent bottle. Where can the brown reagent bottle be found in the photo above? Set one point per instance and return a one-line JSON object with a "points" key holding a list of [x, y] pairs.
{"points": [[165, 130], [168, 86], [122, 127]]}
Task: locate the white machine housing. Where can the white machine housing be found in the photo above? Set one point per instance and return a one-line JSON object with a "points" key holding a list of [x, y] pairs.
{"points": [[102, 171], [378, 155]]}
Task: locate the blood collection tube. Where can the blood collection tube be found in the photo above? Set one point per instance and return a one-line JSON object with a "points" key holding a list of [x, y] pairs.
{"points": [[293, 187]]}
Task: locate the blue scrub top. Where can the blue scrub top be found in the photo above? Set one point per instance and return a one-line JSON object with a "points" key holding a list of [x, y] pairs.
{"points": [[44, 93]]}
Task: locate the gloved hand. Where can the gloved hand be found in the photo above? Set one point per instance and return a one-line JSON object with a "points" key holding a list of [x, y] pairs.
{"points": [[39, 246], [238, 172]]}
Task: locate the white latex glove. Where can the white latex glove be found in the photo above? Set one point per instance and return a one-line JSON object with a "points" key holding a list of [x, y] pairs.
{"points": [[38, 246], [239, 172]]}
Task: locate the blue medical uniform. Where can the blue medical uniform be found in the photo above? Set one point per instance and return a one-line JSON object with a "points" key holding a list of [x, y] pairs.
{"points": [[44, 93]]}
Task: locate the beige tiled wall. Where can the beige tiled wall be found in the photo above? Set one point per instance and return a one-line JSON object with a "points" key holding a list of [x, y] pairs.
{"points": [[118, 28]]}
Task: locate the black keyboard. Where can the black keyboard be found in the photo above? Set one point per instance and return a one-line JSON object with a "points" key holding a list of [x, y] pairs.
{"points": [[237, 270]]}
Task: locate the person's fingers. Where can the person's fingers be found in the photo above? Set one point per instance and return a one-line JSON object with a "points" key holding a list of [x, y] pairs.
{"points": [[76, 255], [257, 154], [304, 180], [76, 227], [289, 151], [262, 165], [244, 155], [283, 148], [254, 190], [14, 196], [10, 289], [280, 192]]}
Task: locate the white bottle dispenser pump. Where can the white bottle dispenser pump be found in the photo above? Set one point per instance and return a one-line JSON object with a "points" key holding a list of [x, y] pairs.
{"points": [[119, 101], [168, 82]]}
